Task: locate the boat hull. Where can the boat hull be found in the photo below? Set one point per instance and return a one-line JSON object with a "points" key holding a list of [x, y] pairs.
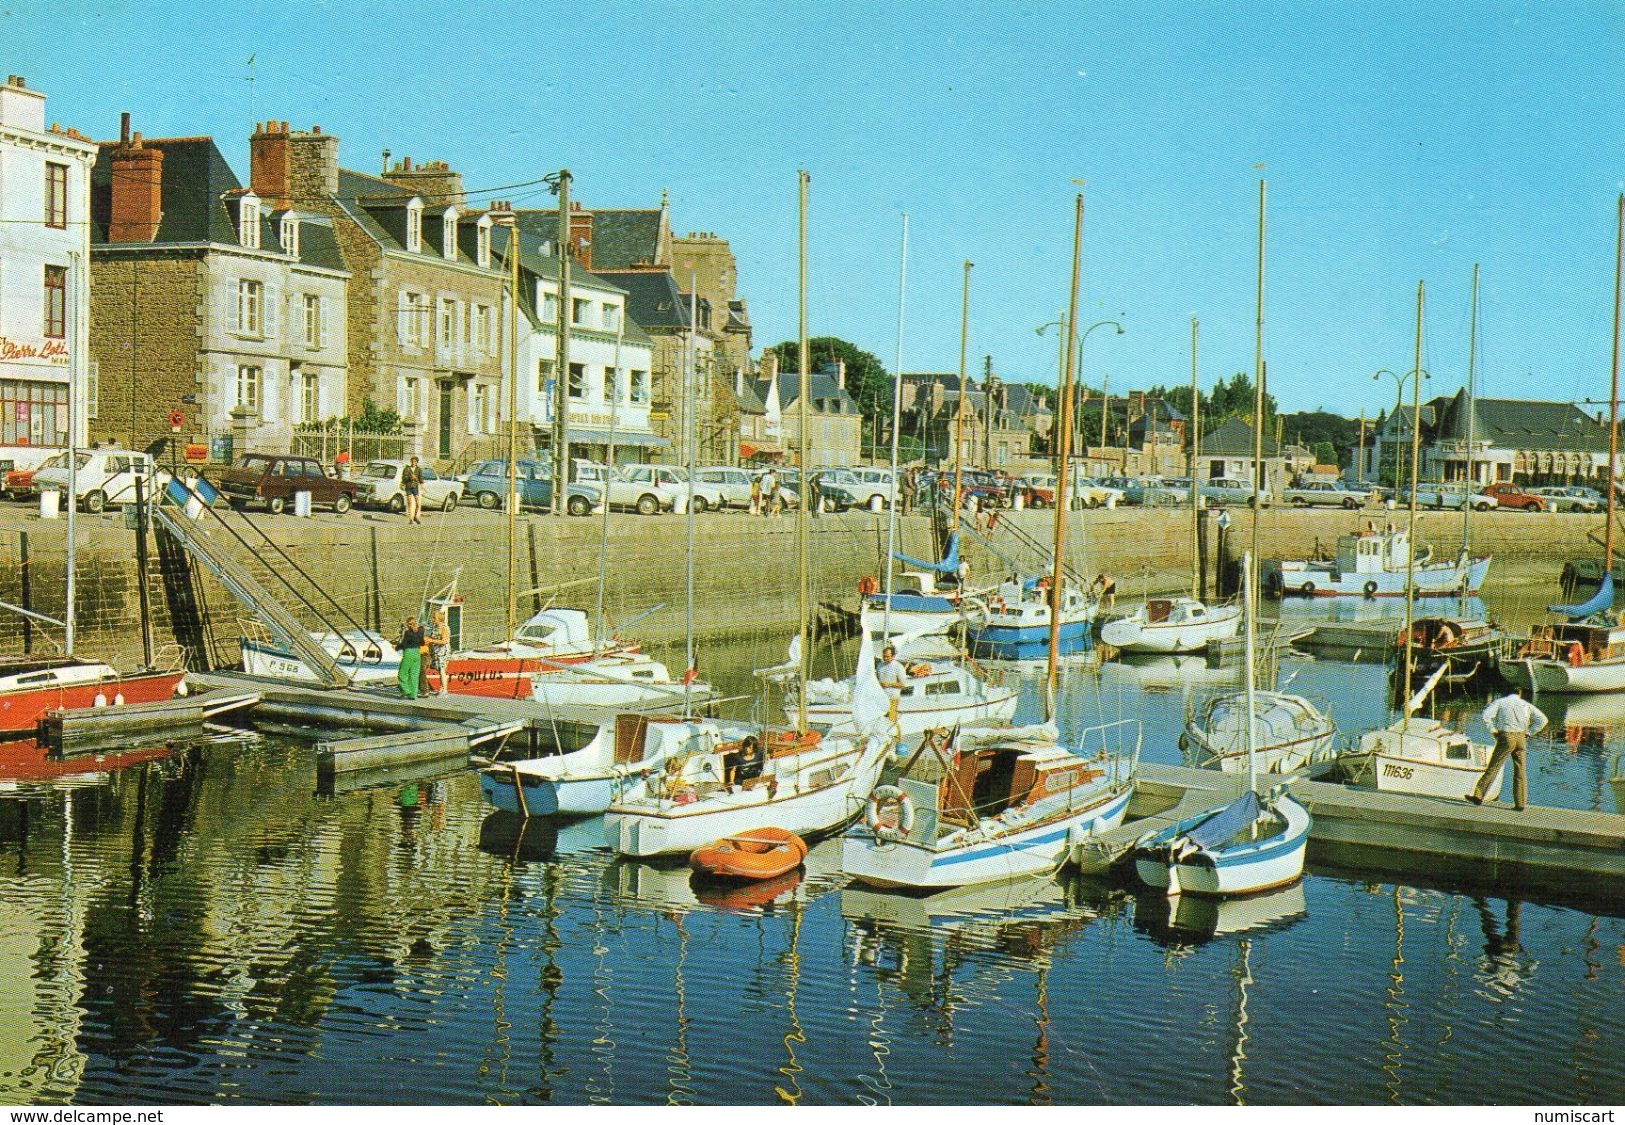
{"points": [[544, 796], [1431, 580], [765, 853], [1560, 678], [1015, 854], [21, 709], [1239, 870], [1029, 642], [1127, 634]]}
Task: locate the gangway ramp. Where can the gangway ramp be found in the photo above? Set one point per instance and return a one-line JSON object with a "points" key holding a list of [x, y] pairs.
{"points": [[190, 534]]}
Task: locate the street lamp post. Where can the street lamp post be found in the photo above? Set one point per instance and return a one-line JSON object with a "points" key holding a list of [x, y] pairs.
{"points": [[1076, 422], [1399, 408]]}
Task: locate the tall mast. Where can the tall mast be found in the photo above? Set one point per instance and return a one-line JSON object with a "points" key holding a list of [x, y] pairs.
{"points": [[1196, 436], [1249, 609], [1068, 370], [1613, 391], [609, 471], [691, 440], [896, 426], [959, 412], [68, 617], [1258, 389], [513, 418], [1472, 362], [803, 609], [1410, 526]]}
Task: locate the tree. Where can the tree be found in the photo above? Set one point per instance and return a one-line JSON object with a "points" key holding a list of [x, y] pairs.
{"points": [[866, 378], [1325, 453]]}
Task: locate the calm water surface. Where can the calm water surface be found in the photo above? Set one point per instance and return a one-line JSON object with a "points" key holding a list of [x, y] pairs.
{"points": [[208, 928]]}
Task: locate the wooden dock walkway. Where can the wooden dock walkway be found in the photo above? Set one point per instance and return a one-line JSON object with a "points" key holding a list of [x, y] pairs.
{"points": [[1494, 842]]}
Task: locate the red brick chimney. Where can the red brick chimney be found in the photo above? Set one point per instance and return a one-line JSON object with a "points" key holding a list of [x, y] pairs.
{"points": [[137, 193], [581, 235], [269, 170], [288, 169]]}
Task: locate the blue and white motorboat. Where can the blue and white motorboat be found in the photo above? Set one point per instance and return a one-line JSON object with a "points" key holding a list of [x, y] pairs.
{"points": [[1373, 564], [585, 782], [366, 657], [993, 803], [925, 607], [1014, 622]]}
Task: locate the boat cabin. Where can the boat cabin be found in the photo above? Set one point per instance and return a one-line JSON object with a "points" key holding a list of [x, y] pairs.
{"points": [[1576, 642], [556, 630], [1174, 611], [1372, 551], [983, 782]]}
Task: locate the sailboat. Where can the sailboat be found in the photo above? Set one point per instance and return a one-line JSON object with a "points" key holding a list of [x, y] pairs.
{"points": [[1254, 843], [1290, 732], [1586, 653], [1182, 624], [1417, 754], [973, 805], [809, 783]]}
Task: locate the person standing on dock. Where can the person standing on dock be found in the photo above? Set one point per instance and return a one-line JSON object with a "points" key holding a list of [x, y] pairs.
{"points": [[439, 640], [412, 486], [410, 647], [1512, 719]]}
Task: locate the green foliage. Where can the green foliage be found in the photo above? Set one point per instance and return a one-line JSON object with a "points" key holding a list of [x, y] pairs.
{"points": [[866, 378], [1326, 453], [371, 420]]}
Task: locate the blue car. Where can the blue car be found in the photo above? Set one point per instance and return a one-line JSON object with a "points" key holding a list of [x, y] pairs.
{"points": [[488, 484]]}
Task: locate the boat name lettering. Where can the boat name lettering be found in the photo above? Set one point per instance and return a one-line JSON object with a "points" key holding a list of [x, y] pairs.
{"points": [[1389, 769]]}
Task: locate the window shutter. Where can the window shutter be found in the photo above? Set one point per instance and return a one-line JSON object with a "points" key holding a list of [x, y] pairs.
{"points": [[401, 317], [273, 312], [234, 308], [324, 309], [93, 388]]}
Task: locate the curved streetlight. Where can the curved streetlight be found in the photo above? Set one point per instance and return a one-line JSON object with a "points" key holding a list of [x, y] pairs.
{"points": [[1077, 421], [1399, 406]]}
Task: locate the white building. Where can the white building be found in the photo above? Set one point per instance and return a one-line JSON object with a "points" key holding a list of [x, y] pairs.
{"points": [[610, 362], [44, 264]]}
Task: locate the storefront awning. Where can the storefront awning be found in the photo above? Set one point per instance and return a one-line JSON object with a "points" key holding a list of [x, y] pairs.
{"points": [[754, 448]]}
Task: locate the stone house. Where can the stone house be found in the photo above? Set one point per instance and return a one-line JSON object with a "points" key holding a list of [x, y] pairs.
{"points": [[1528, 441], [209, 300], [44, 258], [834, 426], [1227, 451], [424, 303]]}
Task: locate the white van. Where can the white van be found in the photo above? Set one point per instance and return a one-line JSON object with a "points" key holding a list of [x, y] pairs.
{"points": [[103, 477]]}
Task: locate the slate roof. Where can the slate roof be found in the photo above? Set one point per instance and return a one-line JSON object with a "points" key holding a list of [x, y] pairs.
{"points": [[1024, 403], [379, 208], [1525, 424], [621, 239], [198, 194], [652, 297], [821, 385], [1234, 439], [546, 266]]}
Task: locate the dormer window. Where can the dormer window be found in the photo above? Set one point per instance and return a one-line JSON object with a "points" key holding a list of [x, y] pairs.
{"points": [[248, 221], [482, 243], [289, 234], [448, 234], [414, 226]]}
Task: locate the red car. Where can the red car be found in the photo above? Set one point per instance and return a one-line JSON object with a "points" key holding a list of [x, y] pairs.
{"points": [[19, 484], [1509, 495]]}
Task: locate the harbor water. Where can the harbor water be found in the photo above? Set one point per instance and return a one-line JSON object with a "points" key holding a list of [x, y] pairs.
{"points": [[209, 926]]}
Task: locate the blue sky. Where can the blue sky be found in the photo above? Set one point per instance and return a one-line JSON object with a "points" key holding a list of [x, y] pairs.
{"points": [[1401, 142]]}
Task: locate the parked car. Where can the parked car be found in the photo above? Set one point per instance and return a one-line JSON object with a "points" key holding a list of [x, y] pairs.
{"points": [[648, 489], [831, 497], [1567, 498], [1332, 493], [1509, 495], [1088, 493], [874, 488], [1228, 490], [102, 477], [18, 484], [1454, 496], [379, 486], [274, 478], [721, 486], [488, 483]]}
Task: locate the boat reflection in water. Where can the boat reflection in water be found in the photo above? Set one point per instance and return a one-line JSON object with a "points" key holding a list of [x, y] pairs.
{"points": [[26, 764], [1191, 919], [1167, 673], [665, 887], [537, 839]]}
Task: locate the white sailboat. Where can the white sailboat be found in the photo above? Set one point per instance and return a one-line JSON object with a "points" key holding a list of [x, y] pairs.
{"points": [[1252, 844], [1291, 733], [1416, 754], [982, 804]]}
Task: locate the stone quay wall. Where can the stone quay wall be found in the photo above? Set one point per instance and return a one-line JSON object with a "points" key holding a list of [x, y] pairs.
{"points": [[379, 569]]}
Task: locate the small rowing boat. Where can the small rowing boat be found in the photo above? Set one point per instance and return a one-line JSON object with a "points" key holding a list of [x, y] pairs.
{"points": [[762, 853]]}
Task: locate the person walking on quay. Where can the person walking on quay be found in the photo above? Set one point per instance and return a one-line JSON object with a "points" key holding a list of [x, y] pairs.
{"points": [[411, 650], [412, 486], [756, 496], [770, 493], [1512, 719], [908, 487], [439, 639]]}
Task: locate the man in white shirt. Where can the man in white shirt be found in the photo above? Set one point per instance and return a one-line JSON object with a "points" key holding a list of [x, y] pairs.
{"points": [[1512, 719], [892, 676]]}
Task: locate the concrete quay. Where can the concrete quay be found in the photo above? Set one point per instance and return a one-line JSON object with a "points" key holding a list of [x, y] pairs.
{"points": [[379, 569]]}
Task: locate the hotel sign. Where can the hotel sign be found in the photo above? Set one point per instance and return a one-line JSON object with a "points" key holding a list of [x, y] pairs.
{"points": [[54, 352]]}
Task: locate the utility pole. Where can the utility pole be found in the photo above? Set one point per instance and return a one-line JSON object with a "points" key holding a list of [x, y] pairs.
{"points": [[987, 435], [561, 370]]}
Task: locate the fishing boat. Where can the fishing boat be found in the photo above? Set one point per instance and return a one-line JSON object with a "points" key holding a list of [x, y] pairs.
{"points": [[940, 691], [31, 687], [1013, 623], [1291, 733], [983, 804], [762, 853], [1373, 564], [583, 782], [1464, 646], [1171, 625]]}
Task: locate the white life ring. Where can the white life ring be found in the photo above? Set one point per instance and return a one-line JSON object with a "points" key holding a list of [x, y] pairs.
{"points": [[882, 799]]}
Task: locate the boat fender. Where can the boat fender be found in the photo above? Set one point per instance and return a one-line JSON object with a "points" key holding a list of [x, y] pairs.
{"points": [[1577, 655], [881, 801], [1371, 589], [118, 699], [868, 585], [100, 700], [1307, 589], [181, 689]]}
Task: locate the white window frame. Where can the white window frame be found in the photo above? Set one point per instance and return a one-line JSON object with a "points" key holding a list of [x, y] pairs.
{"points": [[310, 397], [414, 226], [580, 311], [314, 326], [550, 308], [640, 388], [482, 243], [415, 313], [411, 400], [288, 235], [250, 384], [250, 308], [483, 338], [481, 409], [612, 316], [248, 221], [544, 372], [446, 321], [448, 234]]}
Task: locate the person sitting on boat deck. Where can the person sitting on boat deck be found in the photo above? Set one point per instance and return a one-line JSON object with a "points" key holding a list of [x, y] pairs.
{"points": [[743, 762], [1105, 589], [1512, 719], [892, 676]]}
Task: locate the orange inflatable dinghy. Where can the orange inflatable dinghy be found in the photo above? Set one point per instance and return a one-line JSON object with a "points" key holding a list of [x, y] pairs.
{"points": [[761, 853]]}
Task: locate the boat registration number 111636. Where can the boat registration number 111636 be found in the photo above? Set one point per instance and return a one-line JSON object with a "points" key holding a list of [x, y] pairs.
{"points": [[1401, 772]]}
